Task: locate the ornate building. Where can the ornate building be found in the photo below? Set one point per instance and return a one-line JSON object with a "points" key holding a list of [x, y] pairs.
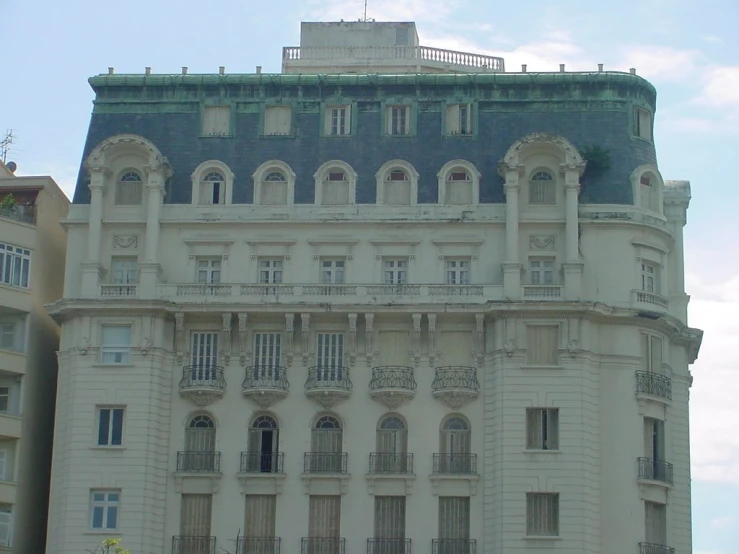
{"points": [[425, 305]]}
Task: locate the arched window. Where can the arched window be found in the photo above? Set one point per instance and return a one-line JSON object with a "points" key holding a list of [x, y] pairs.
{"points": [[648, 192], [335, 181], [542, 189], [200, 445], [392, 445], [262, 455], [274, 184], [129, 189], [648, 188], [274, 189], [213, 189], [397, 184], [455, 445], [326, 445], [459, 183]]}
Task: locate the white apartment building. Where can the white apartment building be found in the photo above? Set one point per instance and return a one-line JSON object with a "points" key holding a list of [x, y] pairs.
{"points": [[381, 312], [32, 252]]}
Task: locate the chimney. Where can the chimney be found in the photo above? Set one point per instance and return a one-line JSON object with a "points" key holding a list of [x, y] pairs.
{"points": [[110, 71], [147, 71], [600, 68], [632, 71], [523, 68], [259, 70], [221, 70], [184, 70], [561, 68]]}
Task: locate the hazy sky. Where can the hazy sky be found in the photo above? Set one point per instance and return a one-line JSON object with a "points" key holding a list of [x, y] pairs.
{"points": [[689, 51]]}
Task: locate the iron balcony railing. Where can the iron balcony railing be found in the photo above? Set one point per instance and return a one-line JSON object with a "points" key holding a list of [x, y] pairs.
{"points": [[265, 377], [390, 462], [457, 464], [24, 214], [655, 470], [323, 545], [262, 462], [325, 462], [328, 378], [202, 376], [651, 548], [388, 546], [455, 377], [258, 545], [653, 384], [193, 545], [453, 546], [199, 461], [392, 377]]}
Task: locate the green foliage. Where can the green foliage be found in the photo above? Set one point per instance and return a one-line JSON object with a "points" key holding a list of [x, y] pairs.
{"points": [[598, 158], [8, 203], [109, 546]]}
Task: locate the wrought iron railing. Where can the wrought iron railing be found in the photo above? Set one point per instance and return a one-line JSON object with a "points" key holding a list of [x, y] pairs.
{"points": [[455, 377], [651, 548], [199, 461], [258, 545], [24, 214], [390, 462], [328, 378], [202, 376], [323, 545], [457, 464], [325, 462], [193, 545], [265, 377], [653, 384], [388, 546], [262, 462], [453, 546], [655, 470], [392, 377]]}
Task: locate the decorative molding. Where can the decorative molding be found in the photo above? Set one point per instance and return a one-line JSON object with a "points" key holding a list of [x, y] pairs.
{"points": [[456, 398], [369, 336], [270, 247], [226, 338], [264, 397], [392, 398], [185, 482], [333, 247], [202, 397], [401, 484], [542, 242], [179, 336], [261, 483], [396, 247], [352, 339], [433, 354], [123, 242], [323, 484], [305, 336], [243, 339], [328, 398], [460, 485], [458, 247], [289, 337], [479, 339], [416, 340]]}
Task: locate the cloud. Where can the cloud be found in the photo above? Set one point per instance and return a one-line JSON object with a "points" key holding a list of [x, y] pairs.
{"points": [[724, 521], [662, 63], [720, 88], [435, 11], [64, 175]]}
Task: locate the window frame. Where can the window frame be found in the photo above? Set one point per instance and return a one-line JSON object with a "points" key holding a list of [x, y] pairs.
{"points": [[321, 177], [394, 274], [639, 128], [470, 119], [106, 504], [541, 270], [230, 125], [271, 271], [10, 256], [555, 523], [7, 509], [327, 116], [458, 270], [531, 354], [110, 431], [333, 260], [127, 272], [542, 193], [210, 271], [123, 349], [4, 334], [7, 396], [263, 123], [259, 179], [197, 177], [120, 198], [383, 174], [411, 117], [542, 429]]}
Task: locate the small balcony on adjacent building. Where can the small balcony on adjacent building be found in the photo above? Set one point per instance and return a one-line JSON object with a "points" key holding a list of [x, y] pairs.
{"points": [[653, 470], [653, 385], [453, 546], [388, 546], [265, 385], [455, 385], [392, 385], [258, 545], [197, 461], [193, 545], [262, 462], [651, 548], [328, 386], [323, 545], [202, 384]]}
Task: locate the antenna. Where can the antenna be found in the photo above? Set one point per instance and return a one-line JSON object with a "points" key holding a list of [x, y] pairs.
{"points": [[5, 143], [365, 11]]}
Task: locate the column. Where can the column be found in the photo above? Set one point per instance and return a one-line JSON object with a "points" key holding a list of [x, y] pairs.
{"points": [[572, 266], [149, 268], [91, 269], [675, 212], [511, 265]]}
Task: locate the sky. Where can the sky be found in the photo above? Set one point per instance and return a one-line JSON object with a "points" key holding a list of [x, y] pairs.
{"points": [[689, 50]]}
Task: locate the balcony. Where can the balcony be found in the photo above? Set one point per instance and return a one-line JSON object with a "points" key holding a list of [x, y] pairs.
{"points": [[392, 385], [322, 545], [453, 546], [651, 301], [455, 464], [267, 290], [542, 292], [388, 546], [212, 289], [393, 290], [196, 461], [456, 385], [258, 545], [118, 291], [325, 462], [328, 386], [390, 463], [10, 426], [655, 470], [654, 385], [455, 290], [265, 385], [202, 385], [193, 545], [651, 548], [262, 462], [24, 214]]}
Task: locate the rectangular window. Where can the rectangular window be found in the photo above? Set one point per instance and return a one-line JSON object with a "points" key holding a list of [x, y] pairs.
{"points": [[110, 427], [542, 345], [267, 349], [651, 354], [541, 271], [654, 439], [457, 271], [216, 120], [195, 517], [7, 336], [650, 277], [277, 120], [6, 525], [324, 521], [270, 271], [4, 399], [332, 271], [330, 352], [655, 523], [104, 508], [261, 512], [642, 124], [542, 514], [338, 120], [395, 271], [116, 344], [208, 270], [398, 120], [204, 350], [4, 465], [454, 524], [15, 265], [542, 428], [124, 271], [458, 119], [389, 524]]}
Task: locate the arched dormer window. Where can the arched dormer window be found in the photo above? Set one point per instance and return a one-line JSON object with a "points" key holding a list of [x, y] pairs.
{"points": [[212, 184], [129, 189], [459, 183], [648, 188], [335, 184], [274, 184], [542, 189], [397, 184]]}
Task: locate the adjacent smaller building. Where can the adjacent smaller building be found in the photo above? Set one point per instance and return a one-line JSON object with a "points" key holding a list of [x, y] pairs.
{"points": [[32, 254]]}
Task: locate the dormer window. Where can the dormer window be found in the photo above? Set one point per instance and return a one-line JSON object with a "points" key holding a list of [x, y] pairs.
{"points": [[458, 119], [274, 189], [399, 120], [459, 187], [397, 188], [335, 188], [213, 189], [542, 189], [129, 189]]}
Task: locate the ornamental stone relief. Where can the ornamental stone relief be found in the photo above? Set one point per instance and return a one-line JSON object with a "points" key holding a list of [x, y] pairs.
{"points": [[541, 242], [123, 242]]}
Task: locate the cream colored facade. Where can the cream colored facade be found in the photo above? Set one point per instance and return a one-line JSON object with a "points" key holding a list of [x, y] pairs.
{"points": [[33, 251], [539, 402]]}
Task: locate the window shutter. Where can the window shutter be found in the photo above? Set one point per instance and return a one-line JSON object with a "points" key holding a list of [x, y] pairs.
{"points": [[390, 519], [533, 424], [655, 523], [196, 515], [223, 120], [542, 346], [6, 519], [324, 518], [274, 193], [454, 518], [452, 119], [260, 516]]}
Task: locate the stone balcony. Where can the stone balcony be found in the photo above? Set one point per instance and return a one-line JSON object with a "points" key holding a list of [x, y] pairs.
{"points": [[650, 301]]}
